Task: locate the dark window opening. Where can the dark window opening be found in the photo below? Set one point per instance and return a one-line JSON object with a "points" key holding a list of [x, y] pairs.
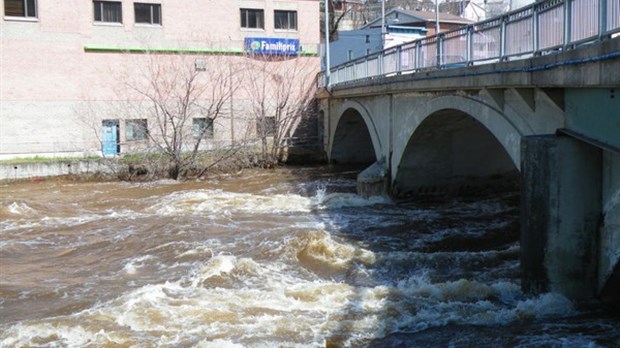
{"points": [[252, 18], [108, 11], [266, 126], [202, 128], [20, 8], [285, 20], [147, 13], [136, 129]]}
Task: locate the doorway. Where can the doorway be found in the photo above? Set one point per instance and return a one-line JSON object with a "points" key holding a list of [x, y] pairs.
{"points": [[110, 145]]}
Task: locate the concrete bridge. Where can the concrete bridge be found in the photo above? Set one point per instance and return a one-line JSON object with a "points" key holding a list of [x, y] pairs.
{"points": [[549, 123]]}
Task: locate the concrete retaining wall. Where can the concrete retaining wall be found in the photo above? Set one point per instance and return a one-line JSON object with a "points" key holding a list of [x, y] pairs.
{"points": [[43, 169]]}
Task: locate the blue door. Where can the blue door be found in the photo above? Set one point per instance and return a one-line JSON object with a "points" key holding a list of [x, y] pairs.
{"points": [[109, 143]]}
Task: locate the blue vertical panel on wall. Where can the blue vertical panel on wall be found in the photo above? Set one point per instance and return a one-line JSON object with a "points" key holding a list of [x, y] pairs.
{"points": [[594, 113], [110, 138]]}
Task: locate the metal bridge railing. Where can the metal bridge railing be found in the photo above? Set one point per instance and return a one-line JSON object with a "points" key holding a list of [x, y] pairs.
{"points": [[540, 28]]}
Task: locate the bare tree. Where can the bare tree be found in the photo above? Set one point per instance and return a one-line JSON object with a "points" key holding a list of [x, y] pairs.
{"points": [[338, 10], [281, 91], [170, 104]]}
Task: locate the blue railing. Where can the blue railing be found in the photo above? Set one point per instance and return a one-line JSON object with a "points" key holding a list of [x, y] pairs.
{"points": [[541, 28]]}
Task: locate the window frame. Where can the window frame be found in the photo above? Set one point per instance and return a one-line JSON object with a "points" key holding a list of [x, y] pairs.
{"points": [[25, 8], [266, 126], [101, 4], [245, 18], [139, 128], [202, 128], [151, 9], [289, 20]]}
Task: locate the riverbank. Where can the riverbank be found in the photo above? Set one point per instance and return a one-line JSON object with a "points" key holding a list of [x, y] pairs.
{"points": [[133, 168]]}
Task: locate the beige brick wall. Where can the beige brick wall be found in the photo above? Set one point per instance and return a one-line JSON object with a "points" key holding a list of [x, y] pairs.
{"points": [[48, 79]]}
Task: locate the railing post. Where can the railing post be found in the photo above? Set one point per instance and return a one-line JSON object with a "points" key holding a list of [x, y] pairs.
{"points": [[399, 63], [439, 49], [502, 38], [602, 18], [535, 38], [470, 44], [567, 23], [417, 52]]}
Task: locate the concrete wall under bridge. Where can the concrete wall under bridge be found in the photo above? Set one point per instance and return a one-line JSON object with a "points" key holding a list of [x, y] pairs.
{"points": [[550, 123]]}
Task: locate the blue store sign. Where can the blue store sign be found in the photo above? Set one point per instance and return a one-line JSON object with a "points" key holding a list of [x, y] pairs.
{"points": [[262, 45]]}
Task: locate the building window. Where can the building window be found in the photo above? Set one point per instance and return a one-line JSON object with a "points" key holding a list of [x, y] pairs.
{"points": [[147, 13], [202, 128], [367, 38], [285, 20], [266, 126], [20, 8], [350, 55], [136, 129], [252, 18], [108, 11]]}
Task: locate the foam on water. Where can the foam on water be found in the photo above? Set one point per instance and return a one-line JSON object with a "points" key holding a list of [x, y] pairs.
{"points": [[50, 335], [18, 209], [134, 264], [317, 248], [218, 343], [223, 202], [279, 269], [228, 296], [49, 221]]}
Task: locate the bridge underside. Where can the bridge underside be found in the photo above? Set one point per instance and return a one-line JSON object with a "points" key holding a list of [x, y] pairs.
{"points": [[352, 143], [453, 152]]}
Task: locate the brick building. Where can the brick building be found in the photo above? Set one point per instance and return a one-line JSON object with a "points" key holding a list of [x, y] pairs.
{"points": [[66, 66]]}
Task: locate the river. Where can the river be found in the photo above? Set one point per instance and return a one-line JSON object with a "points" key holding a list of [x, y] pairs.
{"points": [[290, 257]]}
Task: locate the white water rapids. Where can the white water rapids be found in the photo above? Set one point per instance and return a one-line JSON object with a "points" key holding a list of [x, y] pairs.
{"points": [[285, 258]]}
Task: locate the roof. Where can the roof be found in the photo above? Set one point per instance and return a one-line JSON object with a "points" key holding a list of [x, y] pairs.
{"points": [[405, 16]]}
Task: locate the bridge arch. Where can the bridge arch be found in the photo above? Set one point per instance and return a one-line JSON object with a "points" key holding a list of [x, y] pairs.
{"points": [[455, 140], [354, 138]]}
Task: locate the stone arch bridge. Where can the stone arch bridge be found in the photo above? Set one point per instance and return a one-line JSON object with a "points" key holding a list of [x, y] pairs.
{"points": [[550, 124]]}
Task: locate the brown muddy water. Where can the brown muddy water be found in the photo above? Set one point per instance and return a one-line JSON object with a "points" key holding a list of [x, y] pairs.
{"points": [[283, 258]]}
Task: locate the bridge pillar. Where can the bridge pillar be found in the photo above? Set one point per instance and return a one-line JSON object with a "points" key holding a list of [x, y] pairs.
{"points": [[374, 180], [560, 215], [609, 240]]}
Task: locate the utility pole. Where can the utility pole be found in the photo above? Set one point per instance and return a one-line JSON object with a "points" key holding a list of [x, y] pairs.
{"points": [[383, 28], [436, 17], [383, 17], [437, 29], [327, 68]]}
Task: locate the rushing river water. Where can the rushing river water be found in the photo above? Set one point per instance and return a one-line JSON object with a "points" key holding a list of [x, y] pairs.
{"points": [[283, 258]]}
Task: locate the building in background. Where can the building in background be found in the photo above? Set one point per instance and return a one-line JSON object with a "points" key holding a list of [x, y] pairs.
{"points": [[400, 26], [354, 14], [65, 65]]}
